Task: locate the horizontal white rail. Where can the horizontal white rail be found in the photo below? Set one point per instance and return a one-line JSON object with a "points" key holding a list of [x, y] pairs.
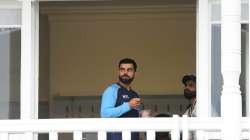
{"points": [[211, 126]]}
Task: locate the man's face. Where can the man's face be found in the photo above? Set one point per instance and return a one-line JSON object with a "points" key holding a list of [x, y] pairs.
{"points": [[191, 86], [126, 73], [190, 90]]}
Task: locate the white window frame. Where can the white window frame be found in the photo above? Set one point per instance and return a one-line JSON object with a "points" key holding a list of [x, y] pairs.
{"points": [[203, 53], [30, 62]]}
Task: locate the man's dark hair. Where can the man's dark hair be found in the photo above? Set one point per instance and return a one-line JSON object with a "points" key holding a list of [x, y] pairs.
{"points": [[187, 78], [128, 61]]}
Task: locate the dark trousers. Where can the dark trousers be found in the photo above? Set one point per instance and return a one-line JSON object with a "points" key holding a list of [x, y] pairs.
{"points": [[118, 136]]}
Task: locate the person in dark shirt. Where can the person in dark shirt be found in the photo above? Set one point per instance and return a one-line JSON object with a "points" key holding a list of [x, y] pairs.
{"points": [[119, 100]]}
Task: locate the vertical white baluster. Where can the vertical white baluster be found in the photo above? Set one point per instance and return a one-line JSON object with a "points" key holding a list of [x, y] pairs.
{"points": [[28, 136], [200, 135], [126, 135], [53, 136], [185, 127], [77, 135], [4, 136], [102, 135], [150, 135], [175, 135]]}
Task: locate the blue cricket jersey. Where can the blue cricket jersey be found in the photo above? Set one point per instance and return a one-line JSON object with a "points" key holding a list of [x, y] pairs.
{"points": [[115, 105]]}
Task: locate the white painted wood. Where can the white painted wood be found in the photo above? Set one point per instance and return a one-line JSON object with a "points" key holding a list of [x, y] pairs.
{"points": [[27, 68], [77, 135], [102, 135], [213, 126], [4, 136], [29, 59], [28, 136], [10, 26], [200, 135], [203, 60], [231, 108], [35, 63], [53, 136], [175, 133], [126, 135], [185, 127], [150, 135]]}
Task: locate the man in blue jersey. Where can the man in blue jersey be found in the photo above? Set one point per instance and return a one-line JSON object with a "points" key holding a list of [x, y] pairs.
{"points": [[119, 100]]}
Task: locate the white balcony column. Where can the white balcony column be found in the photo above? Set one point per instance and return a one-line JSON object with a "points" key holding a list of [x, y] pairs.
{"points": [[29, 62], [203, 60], [231, 105], [29, 59]]}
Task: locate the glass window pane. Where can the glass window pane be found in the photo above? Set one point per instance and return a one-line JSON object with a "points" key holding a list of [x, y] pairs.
{"points": [[216, 11], [244, 11], [10, 49], [10, 16], [216, 78]]}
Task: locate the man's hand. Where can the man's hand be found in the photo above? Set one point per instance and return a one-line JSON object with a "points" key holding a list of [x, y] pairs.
{"points": [[134, 102]]}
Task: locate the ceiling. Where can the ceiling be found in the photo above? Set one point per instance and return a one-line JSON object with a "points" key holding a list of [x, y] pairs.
{"points": [[55, 7], [117, 3]]}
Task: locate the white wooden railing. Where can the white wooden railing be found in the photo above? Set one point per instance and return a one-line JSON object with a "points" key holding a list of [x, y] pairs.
{"points": [[211, 127]]}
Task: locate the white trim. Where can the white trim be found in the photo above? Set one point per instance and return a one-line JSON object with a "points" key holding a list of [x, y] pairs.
{"points": [[231, 102], [122, 124], [219, 22], [149, 125], [10, 5], [203, 60], [83, 9], [35, 12], [27, 100], [29, 60], [10, 26]]}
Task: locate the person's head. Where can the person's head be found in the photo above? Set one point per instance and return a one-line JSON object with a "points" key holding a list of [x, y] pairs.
{"points": [[127, 69], [189, 81]]}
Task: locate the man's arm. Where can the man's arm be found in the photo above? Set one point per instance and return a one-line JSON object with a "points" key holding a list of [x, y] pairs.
{"points": [[108, 109]]}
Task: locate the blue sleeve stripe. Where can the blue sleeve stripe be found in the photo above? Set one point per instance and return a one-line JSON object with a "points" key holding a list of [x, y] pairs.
{"points": [[108, 109]]}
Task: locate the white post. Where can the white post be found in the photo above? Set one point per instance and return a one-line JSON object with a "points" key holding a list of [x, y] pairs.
{"points": [[102, 135], [77, 135], [185, 127], [203, 60], [27, 67], [150, 135], [4, 136], [175, 133], [126, 135], [53, 136], [231, 107], [29, 62]]}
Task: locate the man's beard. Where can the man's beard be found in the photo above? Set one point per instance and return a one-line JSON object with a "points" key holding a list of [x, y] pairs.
{"points": [[189, 94], [125, 79]]}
